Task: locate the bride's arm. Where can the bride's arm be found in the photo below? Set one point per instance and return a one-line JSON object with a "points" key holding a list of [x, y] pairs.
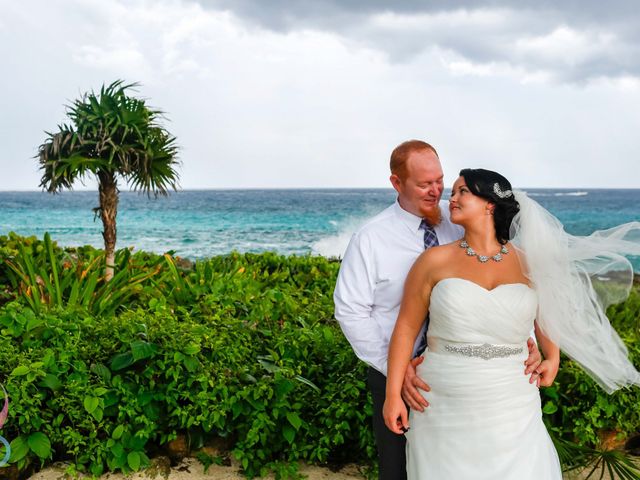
{"points": [[548, 369], [413, 310]]}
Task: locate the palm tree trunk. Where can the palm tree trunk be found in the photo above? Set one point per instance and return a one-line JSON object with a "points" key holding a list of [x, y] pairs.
{"points": [[107, 186]]}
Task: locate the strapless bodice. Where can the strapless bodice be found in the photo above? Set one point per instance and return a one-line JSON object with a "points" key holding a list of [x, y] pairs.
{"points": [[463, 311], [484, 419]]}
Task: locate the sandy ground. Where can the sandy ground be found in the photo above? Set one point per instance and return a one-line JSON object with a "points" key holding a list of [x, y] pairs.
{"points": [[191, 468]]}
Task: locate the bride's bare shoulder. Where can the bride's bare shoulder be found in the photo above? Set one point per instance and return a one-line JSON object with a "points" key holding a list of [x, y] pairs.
{"points": [[432, 265], [438, 256]]}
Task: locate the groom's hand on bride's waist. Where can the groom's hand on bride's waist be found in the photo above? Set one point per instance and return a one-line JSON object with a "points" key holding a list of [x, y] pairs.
{"points": [[410, 393]]}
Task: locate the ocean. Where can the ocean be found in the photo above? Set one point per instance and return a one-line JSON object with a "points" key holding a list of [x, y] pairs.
{"points": [[202, 223]]}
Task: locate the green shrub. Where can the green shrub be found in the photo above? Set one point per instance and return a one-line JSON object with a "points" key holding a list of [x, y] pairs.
{"points": [[240, 346], [252, 354]]}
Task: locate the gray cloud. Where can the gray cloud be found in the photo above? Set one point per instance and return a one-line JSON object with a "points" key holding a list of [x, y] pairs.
{"points": [[318, 97], [571, 41], [282, 14]]}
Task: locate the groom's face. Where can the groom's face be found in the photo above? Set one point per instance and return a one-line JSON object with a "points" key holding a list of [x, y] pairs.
{"points": [[420, 190]]}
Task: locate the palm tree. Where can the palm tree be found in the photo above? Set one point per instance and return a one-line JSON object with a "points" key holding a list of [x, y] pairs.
{"points": [[111, 136]]}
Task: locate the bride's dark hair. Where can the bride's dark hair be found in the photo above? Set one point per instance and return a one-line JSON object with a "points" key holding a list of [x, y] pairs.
{"points": [[494, 187]]}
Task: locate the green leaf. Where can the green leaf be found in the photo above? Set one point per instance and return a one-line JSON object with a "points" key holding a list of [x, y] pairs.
{"points": [[294, 420], [121, 361], [52, 382], [39, 444], [191, 349], [550, 408], [152, 411], [100, 391], [236, 409], [97, 414], [133, 459], [551, 392], [247, 378], [54, 270], [117, 432], [191, 363], [91, 403], [20, 370], [283, 387], [102, 371], [110, 399], [97, 468], [144, 460], [118, 450], [144, 398], [137, 442], [141, 349], [307, 382], [289, 433], [327, 334], [269, 366], [33, 322], [19, 449]]}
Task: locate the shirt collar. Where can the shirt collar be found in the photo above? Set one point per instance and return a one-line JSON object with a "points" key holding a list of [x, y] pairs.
{"points": [[409, 219]]}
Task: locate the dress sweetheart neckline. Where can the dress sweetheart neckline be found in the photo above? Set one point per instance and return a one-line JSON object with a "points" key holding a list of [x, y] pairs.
{"points": [[466, 280]]}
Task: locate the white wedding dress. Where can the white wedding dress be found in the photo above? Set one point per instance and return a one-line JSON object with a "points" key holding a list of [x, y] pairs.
{"points": [[484, 419]]}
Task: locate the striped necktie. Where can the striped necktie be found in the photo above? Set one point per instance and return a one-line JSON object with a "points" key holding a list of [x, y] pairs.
{"points": [[430, 237], [430, 240]]}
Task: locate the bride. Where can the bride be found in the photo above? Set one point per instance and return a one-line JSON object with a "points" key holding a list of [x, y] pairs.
{"points": [[515, 270]]}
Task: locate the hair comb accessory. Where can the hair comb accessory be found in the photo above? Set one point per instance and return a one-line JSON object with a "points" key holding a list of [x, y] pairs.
{"points": [[500, 193]]}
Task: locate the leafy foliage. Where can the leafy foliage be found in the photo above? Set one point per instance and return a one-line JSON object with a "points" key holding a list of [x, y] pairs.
{"points": [[44, 275], [239, 347]]}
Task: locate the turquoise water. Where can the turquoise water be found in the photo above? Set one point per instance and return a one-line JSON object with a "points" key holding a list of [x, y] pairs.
{"points": [[201, 223]]}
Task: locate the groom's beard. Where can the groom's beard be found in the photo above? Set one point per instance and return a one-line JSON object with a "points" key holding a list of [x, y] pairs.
{"points": [[434, 217]]}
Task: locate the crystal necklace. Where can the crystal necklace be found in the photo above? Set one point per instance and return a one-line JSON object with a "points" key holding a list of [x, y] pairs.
{"points": [[483, 258]]}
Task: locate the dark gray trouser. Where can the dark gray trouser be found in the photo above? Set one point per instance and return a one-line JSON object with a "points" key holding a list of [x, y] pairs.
{"points": [[392, 462]]}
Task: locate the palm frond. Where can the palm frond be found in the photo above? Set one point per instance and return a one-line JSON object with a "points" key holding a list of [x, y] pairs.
{"points": [[113, 133], [595, 463]]}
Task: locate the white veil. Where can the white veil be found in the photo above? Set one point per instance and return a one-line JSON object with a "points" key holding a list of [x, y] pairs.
{"points": [[576, 279]]}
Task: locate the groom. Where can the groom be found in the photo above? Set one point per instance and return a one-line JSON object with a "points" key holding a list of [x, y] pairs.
{"points": [[371, 279]]}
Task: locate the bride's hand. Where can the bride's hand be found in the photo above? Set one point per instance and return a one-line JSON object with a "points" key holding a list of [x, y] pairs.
{"points": [[395, 415], [533, 360], [547, 372]]}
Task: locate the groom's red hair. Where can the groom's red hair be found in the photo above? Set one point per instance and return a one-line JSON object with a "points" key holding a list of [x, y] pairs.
{"points": [[401, 153]]}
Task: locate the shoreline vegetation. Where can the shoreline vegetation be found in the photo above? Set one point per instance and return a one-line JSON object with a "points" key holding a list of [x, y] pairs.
{"points": [[233, 362]]}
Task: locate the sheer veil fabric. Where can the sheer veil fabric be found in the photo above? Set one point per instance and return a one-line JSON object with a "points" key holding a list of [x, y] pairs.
{"points": [[576, 279]]}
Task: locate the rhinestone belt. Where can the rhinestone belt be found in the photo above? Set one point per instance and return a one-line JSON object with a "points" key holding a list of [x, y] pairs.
{"points": [[486, 351]]}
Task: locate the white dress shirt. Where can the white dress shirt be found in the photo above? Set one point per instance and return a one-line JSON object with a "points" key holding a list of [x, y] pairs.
{"points": [[371, 280]]}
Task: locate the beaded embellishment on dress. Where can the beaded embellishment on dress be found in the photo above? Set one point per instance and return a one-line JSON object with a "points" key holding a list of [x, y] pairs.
{"points": [[485, 351]]}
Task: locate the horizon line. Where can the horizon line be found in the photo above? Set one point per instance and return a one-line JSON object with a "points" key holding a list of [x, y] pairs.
{"points": [[209, 189]]}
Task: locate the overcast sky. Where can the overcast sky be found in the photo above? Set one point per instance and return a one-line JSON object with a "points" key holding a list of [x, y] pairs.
{"points": [[317, 93]]}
